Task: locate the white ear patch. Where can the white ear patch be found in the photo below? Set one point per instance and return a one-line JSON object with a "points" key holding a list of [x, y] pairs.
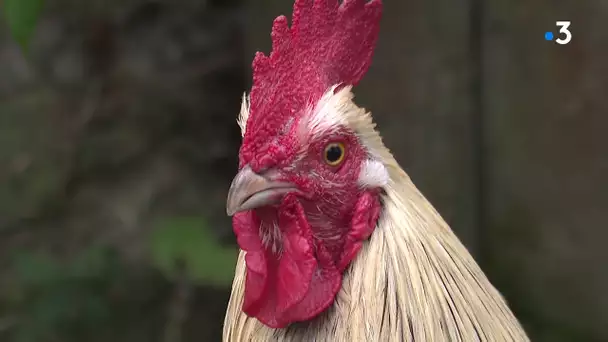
{"points": [[373, 174]]}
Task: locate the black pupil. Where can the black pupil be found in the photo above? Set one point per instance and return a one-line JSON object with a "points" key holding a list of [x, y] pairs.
{"points": [[333, 154]]}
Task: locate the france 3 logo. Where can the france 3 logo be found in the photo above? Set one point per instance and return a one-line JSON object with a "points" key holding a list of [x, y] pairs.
{"points": [[564, 35]]}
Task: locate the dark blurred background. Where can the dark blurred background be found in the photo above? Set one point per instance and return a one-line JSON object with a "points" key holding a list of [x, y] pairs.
{"points": [[118, 143]]}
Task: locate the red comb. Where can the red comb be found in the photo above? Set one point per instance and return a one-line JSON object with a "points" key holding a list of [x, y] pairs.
{"points": [[328, 43]]}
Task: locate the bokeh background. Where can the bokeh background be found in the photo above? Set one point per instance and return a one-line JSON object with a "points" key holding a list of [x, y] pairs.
{"points": [[118, 143]]}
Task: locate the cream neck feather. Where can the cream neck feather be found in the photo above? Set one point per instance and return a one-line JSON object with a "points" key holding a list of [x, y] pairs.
{"points": [[412, 281]]}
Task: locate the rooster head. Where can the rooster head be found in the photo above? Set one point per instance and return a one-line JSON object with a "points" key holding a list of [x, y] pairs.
{"points": [[307, 194]]}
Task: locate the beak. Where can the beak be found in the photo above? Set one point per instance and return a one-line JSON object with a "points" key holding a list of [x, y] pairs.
{"points": [[250, 190]]}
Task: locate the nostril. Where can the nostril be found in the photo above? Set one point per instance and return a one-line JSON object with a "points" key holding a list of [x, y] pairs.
{"points": [[262, 170]]}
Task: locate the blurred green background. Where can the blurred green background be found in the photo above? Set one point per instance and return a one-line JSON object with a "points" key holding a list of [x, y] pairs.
{"points": [[118, 142]]}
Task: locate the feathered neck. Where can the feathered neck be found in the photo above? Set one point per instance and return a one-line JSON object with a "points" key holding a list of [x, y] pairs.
{"points": [[412, 281]]}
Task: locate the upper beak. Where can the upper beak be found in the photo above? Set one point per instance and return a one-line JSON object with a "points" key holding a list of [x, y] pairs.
{"points": [[250, 190]]}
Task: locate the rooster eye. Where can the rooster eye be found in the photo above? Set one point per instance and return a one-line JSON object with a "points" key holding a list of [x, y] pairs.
{"points": [[334, 154]]}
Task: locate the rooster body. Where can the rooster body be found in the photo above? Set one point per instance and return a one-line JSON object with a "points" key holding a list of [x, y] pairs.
{"points": [[337, 244], [412, 281]]}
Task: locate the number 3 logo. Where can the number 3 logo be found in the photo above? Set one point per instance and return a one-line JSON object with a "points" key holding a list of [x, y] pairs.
{"points": [[564, 30]]}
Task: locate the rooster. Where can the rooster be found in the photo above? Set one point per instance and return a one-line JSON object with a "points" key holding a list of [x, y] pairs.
{"points": [[337, 244]]}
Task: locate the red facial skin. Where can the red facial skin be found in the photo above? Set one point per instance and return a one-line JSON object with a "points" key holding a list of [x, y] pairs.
{"points": [[322, 227]]}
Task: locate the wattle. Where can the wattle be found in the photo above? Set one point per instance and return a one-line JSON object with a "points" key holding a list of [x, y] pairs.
{"points": [[299, 280], [294, 284]]}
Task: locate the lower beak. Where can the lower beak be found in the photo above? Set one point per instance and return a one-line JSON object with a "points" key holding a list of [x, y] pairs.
{"points": [[250, 190]]}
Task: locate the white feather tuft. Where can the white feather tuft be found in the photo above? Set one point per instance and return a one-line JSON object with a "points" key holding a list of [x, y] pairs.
{"points": [[244, 114], [328, 114]]}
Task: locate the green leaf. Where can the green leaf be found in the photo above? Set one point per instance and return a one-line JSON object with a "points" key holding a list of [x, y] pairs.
{"points": [[188, 240], [22, 17], [35, 269], [92, 263], [61, 300]]}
